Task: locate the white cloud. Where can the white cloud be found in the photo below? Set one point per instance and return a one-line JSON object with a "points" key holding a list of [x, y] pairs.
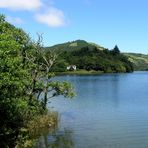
{"points": [[50, 15], [21, 4], [14, 20], [53, 17]]}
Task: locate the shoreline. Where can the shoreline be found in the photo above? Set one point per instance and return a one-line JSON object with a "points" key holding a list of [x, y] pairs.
{"points": [[79, 72], [85, 72]]}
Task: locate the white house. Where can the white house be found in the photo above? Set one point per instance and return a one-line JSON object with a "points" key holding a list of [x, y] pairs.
{"points": [[72, 67]]}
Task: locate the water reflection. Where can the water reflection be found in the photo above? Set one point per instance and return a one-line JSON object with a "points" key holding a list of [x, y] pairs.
{"points": [[58, 139], [109, 111]]}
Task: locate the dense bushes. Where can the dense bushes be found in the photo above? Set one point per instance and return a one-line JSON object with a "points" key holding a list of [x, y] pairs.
{"points": [[24, 76]]}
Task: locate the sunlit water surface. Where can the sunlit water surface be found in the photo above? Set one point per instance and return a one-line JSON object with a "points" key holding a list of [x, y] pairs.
{"points": [[109, 111]]}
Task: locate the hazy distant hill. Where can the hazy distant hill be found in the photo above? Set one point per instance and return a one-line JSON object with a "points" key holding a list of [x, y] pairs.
{"points": [[140, 61]]}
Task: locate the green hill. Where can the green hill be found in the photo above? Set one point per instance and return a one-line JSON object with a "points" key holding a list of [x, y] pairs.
{"points": [[75, 45], [140, 61], [90, 57]]}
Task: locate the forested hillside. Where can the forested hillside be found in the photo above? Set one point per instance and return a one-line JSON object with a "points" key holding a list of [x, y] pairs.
{"points": [[89, 56]]}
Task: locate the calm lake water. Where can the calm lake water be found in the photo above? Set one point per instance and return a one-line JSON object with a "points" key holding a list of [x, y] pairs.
{"points": [[109, 111]]}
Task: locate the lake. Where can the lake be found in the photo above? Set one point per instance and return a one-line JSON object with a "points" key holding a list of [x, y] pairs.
{"points": [[109, 111]]}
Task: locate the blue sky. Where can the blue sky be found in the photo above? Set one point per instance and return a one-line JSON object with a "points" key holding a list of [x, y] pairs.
{"points": [[105, 22]]}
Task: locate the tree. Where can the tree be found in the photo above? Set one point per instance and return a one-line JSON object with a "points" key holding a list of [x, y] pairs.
{"points": [[60, 66], [115, 50], [13, 81], [41, 74], [24, 75]]}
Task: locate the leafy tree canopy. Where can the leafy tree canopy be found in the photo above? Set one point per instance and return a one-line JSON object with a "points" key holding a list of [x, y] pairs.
{"points": [[24, 76]]}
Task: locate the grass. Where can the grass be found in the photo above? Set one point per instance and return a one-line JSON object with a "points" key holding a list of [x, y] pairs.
{"points": [[80, 72], [35, 128]]}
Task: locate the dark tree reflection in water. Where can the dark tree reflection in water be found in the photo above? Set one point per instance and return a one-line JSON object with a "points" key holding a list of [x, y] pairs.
{"points": [[59, 139]]}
